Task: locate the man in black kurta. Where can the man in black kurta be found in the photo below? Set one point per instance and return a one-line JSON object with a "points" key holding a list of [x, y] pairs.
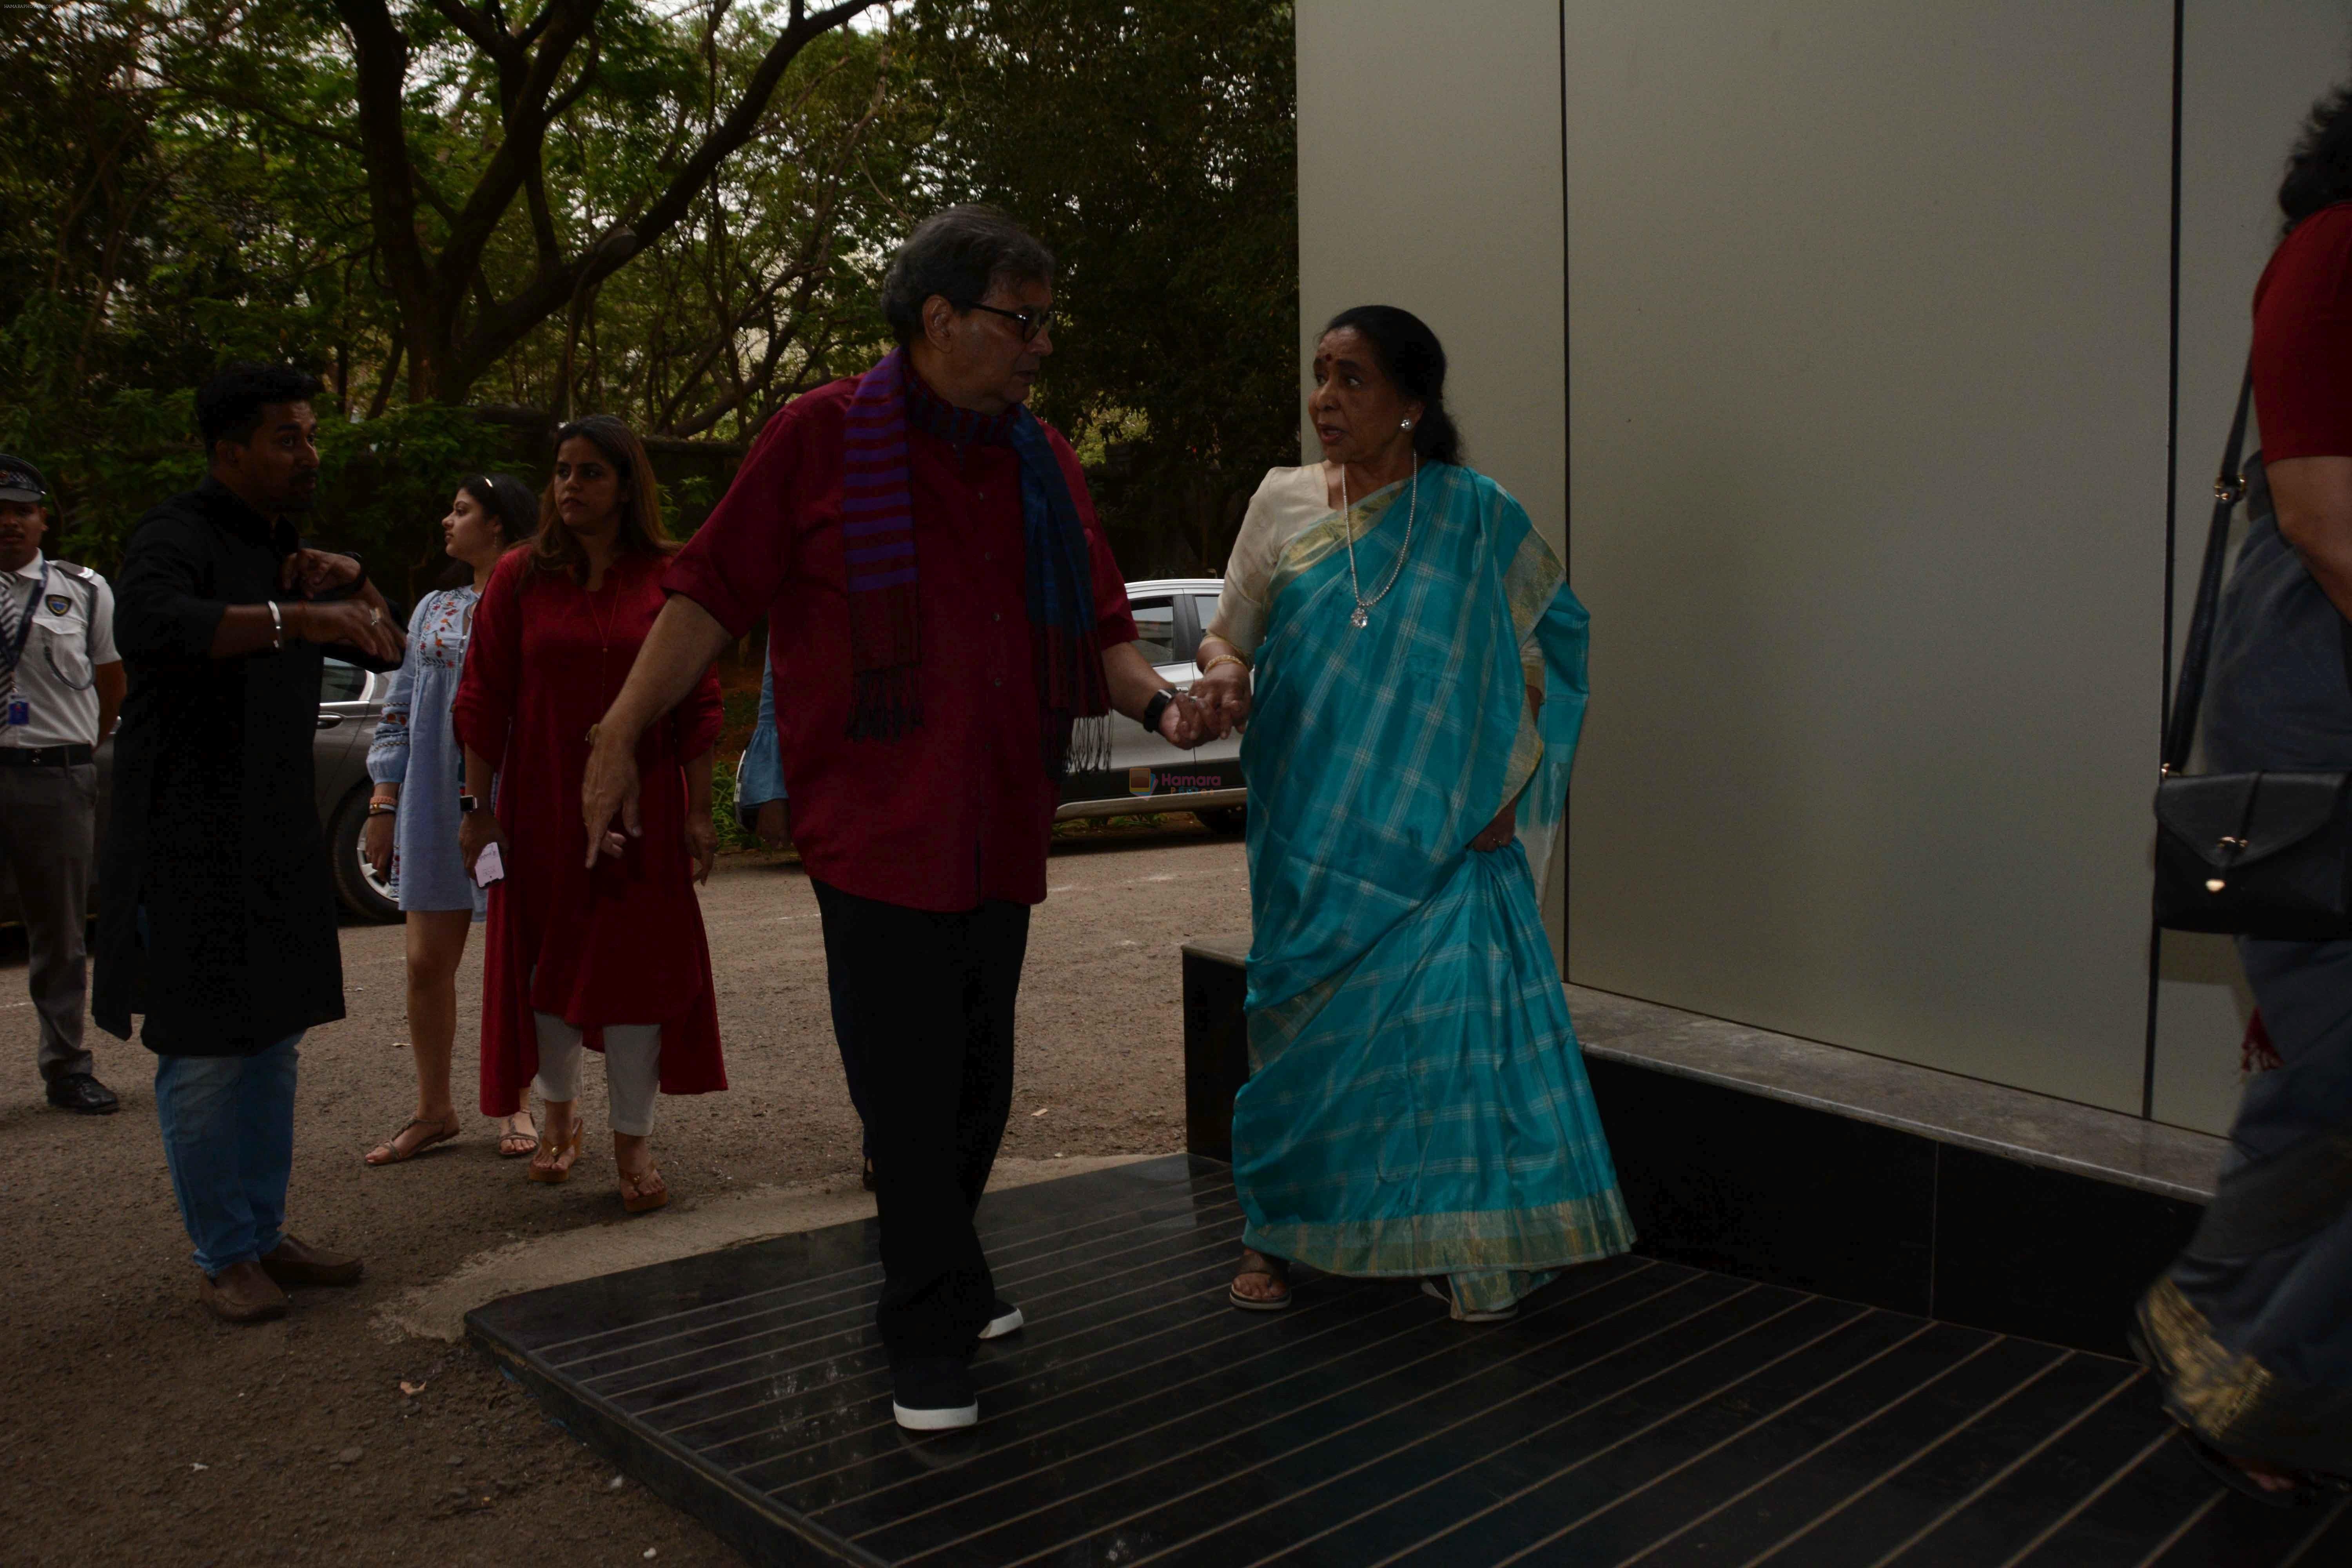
{"points": [[216, 909]]}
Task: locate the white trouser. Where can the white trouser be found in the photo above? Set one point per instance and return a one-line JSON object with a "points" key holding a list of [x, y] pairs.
{"points": [[632, 1070]]}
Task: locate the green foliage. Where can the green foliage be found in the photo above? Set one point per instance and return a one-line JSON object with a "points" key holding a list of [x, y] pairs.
{"points": [[184, 184], [1152, 144], [732, 835], [385, 483]]}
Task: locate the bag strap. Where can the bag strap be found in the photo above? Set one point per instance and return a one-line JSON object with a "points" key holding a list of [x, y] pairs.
{"points": [[2229, 488]]}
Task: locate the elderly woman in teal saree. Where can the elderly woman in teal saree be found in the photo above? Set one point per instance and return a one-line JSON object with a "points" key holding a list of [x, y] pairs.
{"points": [[1417, 1104]]}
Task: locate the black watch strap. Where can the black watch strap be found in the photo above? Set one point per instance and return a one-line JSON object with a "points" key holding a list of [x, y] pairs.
{"points": [[468, 804], [1155, 710]]}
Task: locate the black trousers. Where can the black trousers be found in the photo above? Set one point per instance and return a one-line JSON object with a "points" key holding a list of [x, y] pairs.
{"points": [[923, 1006]]}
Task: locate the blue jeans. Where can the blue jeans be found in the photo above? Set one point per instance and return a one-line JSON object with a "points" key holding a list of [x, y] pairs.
{"points": [[228, 1137]]}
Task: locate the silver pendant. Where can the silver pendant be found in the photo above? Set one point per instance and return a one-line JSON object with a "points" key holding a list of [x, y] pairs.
{"points": [[1359, 620]]}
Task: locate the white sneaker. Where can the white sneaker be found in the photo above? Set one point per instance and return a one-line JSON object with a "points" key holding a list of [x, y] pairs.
{"points": [[1003, 1318], [933, 1394]]}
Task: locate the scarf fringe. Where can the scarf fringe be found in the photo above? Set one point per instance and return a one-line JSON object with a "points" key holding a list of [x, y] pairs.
{"points": [[885, 704]]}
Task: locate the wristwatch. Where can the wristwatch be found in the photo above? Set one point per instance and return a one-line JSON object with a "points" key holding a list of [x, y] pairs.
{"points": [[468, 804], [1156, 709]]}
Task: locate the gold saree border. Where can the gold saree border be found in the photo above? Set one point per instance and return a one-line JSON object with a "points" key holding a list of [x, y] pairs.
{"points": [[1529, 1240], [1529, 585], [1319, 539]]}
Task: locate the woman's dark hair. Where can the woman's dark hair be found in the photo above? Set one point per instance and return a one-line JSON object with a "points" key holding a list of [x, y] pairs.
{"points": [[511, 506], [1415, 360], [553, 548], [956, 254], [2319, 170]]}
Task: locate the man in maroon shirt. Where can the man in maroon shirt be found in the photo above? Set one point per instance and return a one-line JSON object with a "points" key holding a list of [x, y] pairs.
{"points": [[942, 611]]}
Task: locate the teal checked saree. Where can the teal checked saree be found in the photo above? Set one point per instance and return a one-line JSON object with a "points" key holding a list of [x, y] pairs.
{"points": [[1417, 1103]]}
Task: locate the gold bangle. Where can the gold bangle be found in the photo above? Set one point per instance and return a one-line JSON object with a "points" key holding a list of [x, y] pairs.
{"points": [[1225, 658]]}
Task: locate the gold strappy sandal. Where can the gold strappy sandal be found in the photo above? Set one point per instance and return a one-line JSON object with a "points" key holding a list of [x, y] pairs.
{"points": [[553, 1161]]}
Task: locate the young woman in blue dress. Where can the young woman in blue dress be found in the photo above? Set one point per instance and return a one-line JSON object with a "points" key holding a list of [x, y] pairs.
{"points": [[411, 826]]}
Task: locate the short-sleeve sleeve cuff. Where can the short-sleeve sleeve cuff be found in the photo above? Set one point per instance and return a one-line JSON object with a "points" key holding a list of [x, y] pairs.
{"points": [[692, 574]]}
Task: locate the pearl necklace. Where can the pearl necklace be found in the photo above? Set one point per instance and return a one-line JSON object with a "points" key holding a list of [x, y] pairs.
{"points": [[1362, 615]]}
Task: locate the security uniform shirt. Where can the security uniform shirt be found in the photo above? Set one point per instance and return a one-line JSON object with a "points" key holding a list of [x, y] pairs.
{"points": [[72, 634]]}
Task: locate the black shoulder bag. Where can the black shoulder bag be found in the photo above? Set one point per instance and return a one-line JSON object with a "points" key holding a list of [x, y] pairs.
{"points": [[2260, 854]]}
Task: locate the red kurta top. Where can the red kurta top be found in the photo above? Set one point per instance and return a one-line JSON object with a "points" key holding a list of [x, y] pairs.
{"points": [[2303, 340], [958, 809], [622, 943]]}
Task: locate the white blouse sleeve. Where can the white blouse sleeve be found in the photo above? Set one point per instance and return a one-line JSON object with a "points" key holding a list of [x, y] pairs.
{"points": [[1266, 528]]}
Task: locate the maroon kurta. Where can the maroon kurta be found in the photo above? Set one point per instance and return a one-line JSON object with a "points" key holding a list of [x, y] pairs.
{"points": [[622, 943], [958, 809]]}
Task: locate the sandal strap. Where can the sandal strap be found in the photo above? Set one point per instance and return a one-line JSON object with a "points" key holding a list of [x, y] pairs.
{"points": [[399, 1154]]}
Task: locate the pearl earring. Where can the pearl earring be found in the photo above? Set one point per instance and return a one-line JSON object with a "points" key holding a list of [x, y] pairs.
{"points": [[1404, 424]]}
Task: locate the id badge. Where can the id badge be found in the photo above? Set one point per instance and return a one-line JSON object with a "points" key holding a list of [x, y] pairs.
{"points": [[20, 712]]}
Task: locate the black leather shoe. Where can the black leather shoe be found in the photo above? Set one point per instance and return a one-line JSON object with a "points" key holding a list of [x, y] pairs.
{"points": [[80, 1093]]}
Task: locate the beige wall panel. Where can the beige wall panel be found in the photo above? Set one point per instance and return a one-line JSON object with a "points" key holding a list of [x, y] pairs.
{"points": [[1429, 177], [1868, 382], [2249, 70]]}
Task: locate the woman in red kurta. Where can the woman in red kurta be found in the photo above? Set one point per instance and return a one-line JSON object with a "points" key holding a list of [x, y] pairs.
{"points": [[610, 957]]}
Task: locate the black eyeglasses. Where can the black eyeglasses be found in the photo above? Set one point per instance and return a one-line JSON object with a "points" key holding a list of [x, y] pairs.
{"points": [[1031, 322]]}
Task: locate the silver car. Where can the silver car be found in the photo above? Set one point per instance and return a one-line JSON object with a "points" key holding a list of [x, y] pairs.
{"points": [[349, 701], [1147, 775]]}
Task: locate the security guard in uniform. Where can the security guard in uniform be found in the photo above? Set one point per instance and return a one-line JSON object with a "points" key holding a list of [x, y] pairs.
{"points": [[61, 688]]}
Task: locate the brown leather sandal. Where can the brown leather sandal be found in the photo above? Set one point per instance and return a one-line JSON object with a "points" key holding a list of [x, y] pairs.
{"points": [[555, 1160], [394, 1154], [643, 1195]]}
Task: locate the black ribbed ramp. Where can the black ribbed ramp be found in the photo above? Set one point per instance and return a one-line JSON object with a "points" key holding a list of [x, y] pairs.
{"points": [[1636, 1410]]}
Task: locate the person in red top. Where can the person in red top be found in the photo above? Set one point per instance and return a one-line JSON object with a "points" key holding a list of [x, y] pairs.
{"points": [[2250, 1332], [943, 610], [606, 954]]}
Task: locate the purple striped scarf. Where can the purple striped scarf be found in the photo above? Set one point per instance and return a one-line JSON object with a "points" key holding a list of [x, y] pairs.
{"points": [[877, 538], [877, 526]]}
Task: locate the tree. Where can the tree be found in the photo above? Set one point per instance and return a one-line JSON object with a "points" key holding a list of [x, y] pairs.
{"points": [[452, 113], [1152, 144], [193, 180]]}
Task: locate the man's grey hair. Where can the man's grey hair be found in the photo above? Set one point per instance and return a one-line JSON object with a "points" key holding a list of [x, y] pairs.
{"points": [[956, 254]]}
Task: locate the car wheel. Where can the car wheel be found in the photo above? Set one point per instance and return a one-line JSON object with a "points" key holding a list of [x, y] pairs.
{"points": [[364, 892], [1226, 820]]}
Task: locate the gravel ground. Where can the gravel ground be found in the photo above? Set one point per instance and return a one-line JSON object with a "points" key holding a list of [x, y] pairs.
{"points": [[135, 1429]]}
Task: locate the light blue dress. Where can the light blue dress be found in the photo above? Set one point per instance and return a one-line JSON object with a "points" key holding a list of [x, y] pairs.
{"points": [[417, 748], [759, 777]]}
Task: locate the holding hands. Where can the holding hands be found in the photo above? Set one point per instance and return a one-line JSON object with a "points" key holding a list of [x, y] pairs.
{"points": [[1186, 722], [1222, 691]]}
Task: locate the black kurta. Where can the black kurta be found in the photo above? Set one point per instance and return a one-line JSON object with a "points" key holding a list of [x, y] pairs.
{"points": [[214, 827]]}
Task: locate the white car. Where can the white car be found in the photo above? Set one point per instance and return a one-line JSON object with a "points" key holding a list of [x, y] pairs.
{"points": [[1147, 775]]}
